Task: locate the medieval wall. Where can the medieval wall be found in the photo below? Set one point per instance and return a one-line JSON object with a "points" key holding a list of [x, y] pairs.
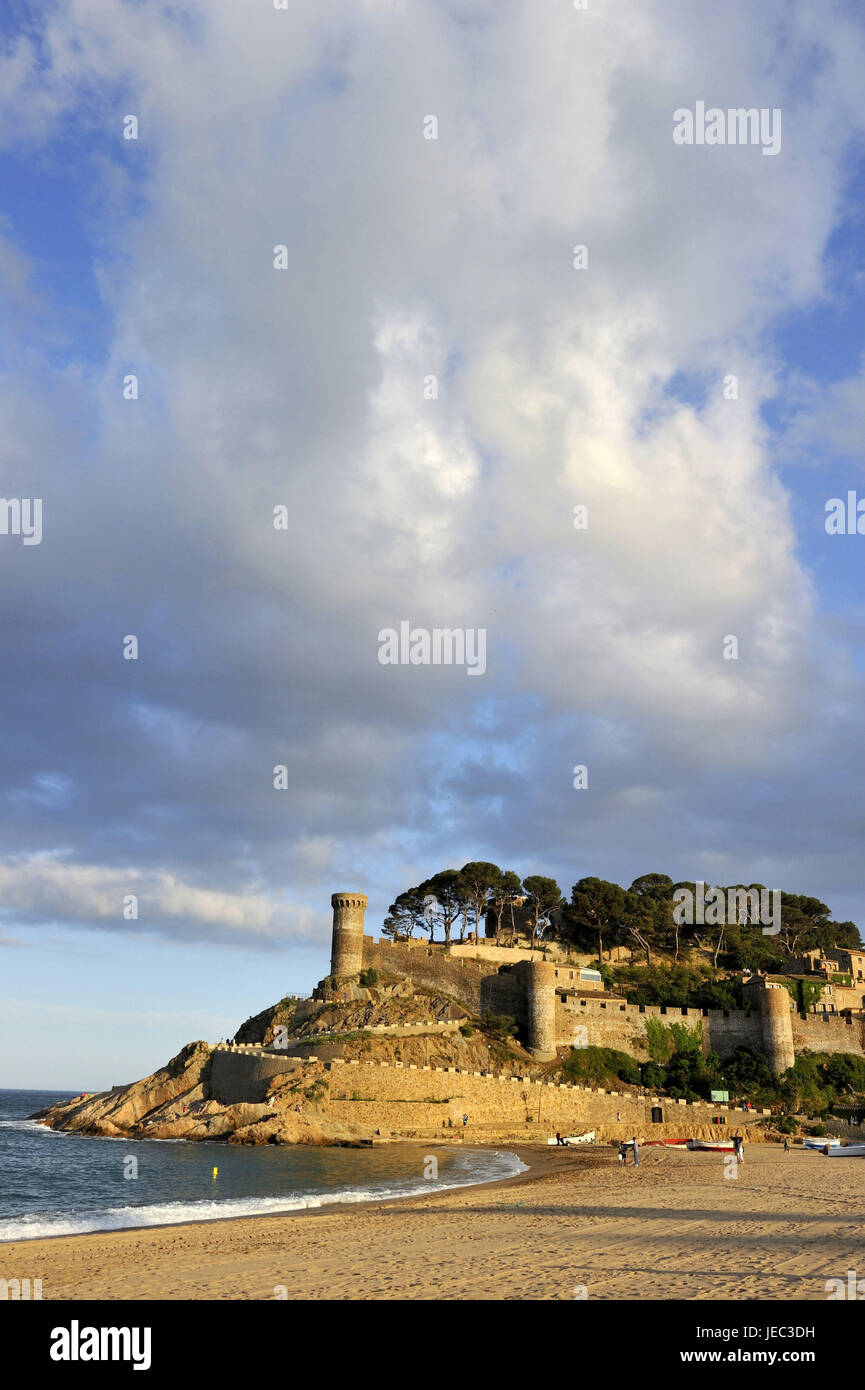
{"points": [[481, 986], [244, 1073], [467, 980], [609, 1023], [401, 1098], [829, 1033]]}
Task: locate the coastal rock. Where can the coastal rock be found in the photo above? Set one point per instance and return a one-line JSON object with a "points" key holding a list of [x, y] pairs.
{"points": [[298, 1127], [176, 1103], [205, 1120], [120, 1111]]}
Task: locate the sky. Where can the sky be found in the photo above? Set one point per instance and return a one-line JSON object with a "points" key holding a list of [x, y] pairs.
{"points": [[306, 387]]}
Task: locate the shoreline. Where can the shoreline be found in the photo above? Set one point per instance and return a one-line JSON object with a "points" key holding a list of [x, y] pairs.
{"points": [[572, 1226], [532, 1157]]}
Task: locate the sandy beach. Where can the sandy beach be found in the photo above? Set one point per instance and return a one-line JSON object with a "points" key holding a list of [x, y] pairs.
{"points": [[574, 1226]]}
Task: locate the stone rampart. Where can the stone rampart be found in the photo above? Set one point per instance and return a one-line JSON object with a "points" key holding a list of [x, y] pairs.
{"points": [[829, 1033], [394, 1030], [613, 1023], [476, 984], [244, 1073], [399, 1097], [483, 985]]}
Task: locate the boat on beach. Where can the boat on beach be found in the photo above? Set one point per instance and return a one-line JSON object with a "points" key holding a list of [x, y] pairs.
{"points": [[844, 1151], [587, 1138], [725, 1146], [820, 1144]]}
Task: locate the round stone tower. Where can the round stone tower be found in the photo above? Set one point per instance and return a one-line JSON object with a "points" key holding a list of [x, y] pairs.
{"points": [[775, 1004], [541, 1009], [346, 951]]}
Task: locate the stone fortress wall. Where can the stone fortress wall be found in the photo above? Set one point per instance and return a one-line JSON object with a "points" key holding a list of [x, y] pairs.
{"points": [[243, 1073], [399, 1097], [829, 1033], [771, 1025], [427, 1098]]}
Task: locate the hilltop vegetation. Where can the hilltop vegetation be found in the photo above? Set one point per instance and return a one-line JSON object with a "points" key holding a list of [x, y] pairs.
{"points": [[495, 902]]}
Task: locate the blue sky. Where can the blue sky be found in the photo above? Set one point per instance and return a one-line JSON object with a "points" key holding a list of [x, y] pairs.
{"points": [[305, 388]]}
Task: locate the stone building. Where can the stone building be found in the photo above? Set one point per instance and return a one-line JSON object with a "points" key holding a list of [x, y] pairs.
{"points": [[841, 973]]}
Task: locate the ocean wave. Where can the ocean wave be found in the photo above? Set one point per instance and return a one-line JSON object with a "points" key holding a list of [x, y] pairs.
{"points": [[37, 1127], [31, 1126], [466, 1171]]}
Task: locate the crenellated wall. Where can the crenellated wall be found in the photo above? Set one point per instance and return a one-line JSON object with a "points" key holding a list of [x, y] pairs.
{"points": [[769, 1025], [475, 984], [611, 1023], [402, 1098], [829, 1033], [244, 1073]]}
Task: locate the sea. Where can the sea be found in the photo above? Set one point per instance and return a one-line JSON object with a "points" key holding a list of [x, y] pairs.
{"points": [[55, 1184]]}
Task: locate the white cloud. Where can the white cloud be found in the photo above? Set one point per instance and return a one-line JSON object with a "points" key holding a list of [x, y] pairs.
{"points": [[52, 888], [453, 257]]}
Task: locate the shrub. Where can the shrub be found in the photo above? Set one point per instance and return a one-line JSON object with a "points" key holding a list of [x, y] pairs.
{"points": [[501, 1023], [598, 1066], [652, 1076], [607, 974], [659, 1040]]}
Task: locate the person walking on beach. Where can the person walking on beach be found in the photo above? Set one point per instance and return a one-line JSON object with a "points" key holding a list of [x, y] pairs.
{"points": [[786, 1145], [636, 1152], [620, 1157], [560, 1140]]}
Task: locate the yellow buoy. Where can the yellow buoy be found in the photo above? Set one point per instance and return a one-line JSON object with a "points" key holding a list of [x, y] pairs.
{"points": [[215, 1171]]}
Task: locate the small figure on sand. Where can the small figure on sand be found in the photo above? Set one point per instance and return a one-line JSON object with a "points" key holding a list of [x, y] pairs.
{"points": [[739, 1146], [786, 1144], [620, 1156], [560, 1140], [636, 1152]]}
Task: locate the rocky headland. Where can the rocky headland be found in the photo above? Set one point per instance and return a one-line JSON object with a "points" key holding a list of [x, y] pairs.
{"points": [[273, 1085]]}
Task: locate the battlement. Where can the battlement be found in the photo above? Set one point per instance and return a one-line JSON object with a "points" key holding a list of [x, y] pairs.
{"points": [[494, 1078], [355, 900], [395, 1030]]}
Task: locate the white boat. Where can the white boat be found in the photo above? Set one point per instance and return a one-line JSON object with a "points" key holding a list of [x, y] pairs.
{"points": [[588, 1138], [820, 1144], [846, 1151], [713, 1145]]}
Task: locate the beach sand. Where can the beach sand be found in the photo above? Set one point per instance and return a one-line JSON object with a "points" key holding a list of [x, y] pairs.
{"points": [[675, 1228]]}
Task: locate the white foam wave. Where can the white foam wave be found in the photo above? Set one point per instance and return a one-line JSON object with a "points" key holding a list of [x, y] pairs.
{"points": [[31, 1126]]}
